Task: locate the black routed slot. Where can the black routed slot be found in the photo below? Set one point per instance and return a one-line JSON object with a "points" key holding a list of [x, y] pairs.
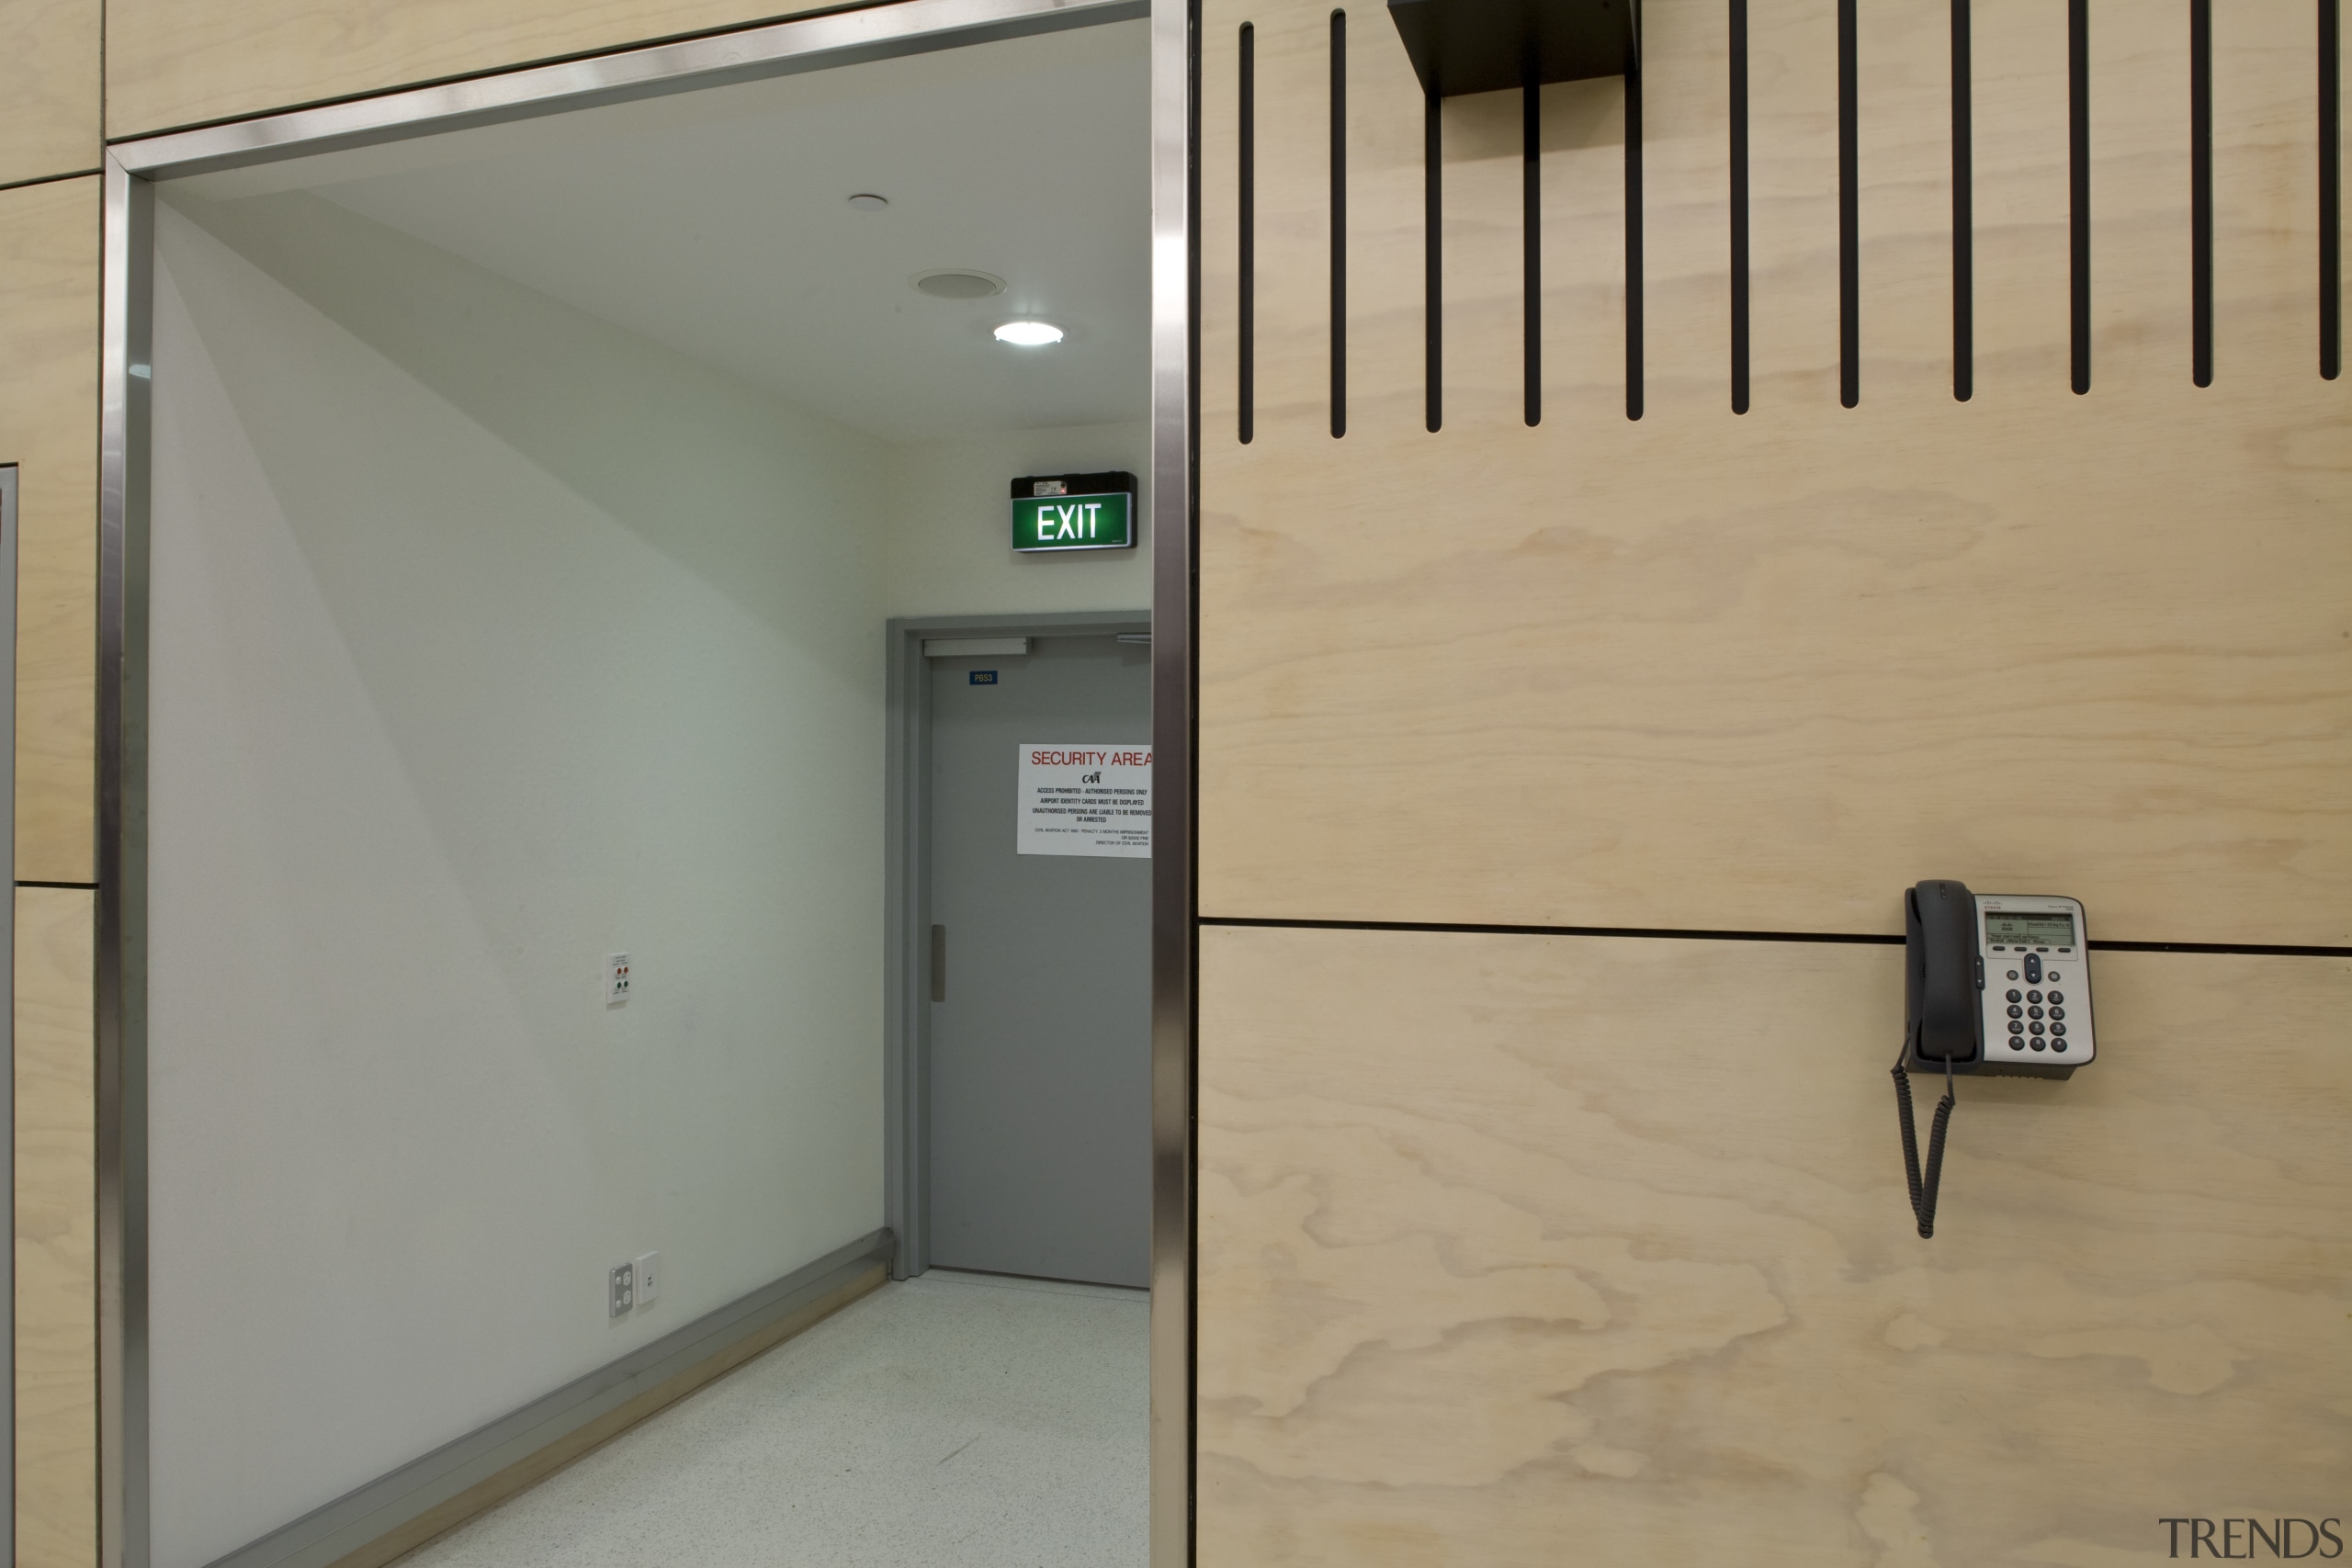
{"points": [[2079, 181], [1432, 269], [2331, 189], [1739, 206], [1246, 355], [1849, 225], [1339, 224], [1633, 241], [1531, 161], [1963, 210], [2201, 191]]}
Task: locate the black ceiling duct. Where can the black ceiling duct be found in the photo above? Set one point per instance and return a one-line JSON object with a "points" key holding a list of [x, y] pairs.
{"points": [[1484, 46]]}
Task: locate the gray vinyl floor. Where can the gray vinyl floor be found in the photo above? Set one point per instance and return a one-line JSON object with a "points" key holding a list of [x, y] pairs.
{"points": [[959, 1419]]}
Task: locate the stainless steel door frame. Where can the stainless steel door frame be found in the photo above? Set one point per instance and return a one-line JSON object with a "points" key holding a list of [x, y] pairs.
{"points": [[840, 37], [1175, 690], [907, 906]]}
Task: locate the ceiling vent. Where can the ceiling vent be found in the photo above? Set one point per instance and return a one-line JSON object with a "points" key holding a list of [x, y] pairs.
{"points": [[959, 283]]}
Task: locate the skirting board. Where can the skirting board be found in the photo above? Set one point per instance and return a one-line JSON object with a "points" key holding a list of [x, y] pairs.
{"points": [[401, 1511]]}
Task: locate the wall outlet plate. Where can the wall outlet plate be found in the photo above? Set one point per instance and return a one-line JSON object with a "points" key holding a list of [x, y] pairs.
{"points": [[621, 1289], [648, 1278], [616, 979]]}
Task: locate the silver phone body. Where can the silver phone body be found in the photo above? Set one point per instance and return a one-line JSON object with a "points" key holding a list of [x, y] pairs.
{"points": [[2037, 978]]}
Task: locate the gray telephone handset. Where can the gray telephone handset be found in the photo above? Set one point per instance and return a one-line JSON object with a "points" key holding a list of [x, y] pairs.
{"points": [[1993, 983]]}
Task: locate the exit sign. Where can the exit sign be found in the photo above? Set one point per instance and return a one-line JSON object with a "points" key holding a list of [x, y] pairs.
{"points": [[1074, 511]]}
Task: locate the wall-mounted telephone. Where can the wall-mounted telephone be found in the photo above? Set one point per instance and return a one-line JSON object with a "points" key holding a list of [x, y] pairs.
{"points": [[1993, 983]]}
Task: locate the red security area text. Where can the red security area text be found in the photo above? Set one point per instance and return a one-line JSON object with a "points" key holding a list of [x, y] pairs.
{"points": [[1048, 759]]}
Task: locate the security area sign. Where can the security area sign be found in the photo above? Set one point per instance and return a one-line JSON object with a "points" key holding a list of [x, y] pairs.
{"points": [[1074, 511], [1084, 800]]}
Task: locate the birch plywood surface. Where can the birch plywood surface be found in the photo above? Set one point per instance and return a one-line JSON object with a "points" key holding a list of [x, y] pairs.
{"points": [[56, 1232], [49, 113], [48, 426], [1707, 670], [180, 63], [1532, 1250]]}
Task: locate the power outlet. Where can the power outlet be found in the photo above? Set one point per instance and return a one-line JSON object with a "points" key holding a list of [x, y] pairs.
{"points": [[648, 1278], [621, 1290], [616, 979]]}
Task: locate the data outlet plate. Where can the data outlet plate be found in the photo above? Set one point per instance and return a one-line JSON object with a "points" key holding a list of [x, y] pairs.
{"points": [[616, 979], [648, 1278]]}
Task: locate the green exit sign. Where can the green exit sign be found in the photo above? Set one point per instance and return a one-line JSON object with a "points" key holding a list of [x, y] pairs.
{"points": [[1074, 511]]}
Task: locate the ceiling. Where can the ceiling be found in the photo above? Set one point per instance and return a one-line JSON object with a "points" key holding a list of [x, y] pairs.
{"points": [[717, 223]]}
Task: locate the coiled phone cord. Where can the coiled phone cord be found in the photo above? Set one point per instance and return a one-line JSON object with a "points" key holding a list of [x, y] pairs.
{"points": [[1923, 1194]]}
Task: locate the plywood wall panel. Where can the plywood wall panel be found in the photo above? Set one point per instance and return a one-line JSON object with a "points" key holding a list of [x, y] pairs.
{"points": [[1764, 683], [1902, 60], [1485, 231], [1293, 224], [1385, 234], [1220, 218], [2266, 200], [49, 112], [56, 1231], [178, 63], [1792, 186], [1520, 1249], [1686, 213], [2023, 312], [49, 425], [2140, 230], [1704, 671], [1583, 185]]}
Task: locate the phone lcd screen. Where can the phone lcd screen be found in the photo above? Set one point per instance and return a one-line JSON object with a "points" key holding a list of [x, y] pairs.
{"points": [[2020, 928]]}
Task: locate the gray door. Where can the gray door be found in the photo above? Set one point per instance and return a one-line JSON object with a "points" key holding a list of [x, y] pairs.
{"points": [[1040, 1029]]}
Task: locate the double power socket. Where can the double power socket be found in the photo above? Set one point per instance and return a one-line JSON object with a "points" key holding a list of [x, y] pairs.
{"points": [[632, 1286]]}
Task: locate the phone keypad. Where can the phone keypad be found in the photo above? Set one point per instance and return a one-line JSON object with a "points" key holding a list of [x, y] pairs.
{"points": [[2037, 1023]]}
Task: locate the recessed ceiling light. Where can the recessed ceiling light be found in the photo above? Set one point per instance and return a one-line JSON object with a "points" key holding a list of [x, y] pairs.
{"points": [[959, 283], [866, 201], [1029, 335]]}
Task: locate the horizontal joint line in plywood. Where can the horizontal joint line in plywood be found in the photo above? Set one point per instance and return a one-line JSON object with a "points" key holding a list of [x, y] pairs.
{"points": [[49, 180], [2273, 950]]}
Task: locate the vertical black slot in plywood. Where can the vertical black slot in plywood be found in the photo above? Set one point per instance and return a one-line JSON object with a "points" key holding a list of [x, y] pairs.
{"points": [[2331, 189], [1963, 209], [2078, 187], [1633, 241], [2201, 190], [1739, 206], [1531, 163], [1339, 224], [1245, 356], [1849, 227], [1433, 262]]}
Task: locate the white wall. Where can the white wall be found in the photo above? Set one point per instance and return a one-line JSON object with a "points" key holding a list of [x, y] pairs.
{"points": [[951, 524], [488, 640]]}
